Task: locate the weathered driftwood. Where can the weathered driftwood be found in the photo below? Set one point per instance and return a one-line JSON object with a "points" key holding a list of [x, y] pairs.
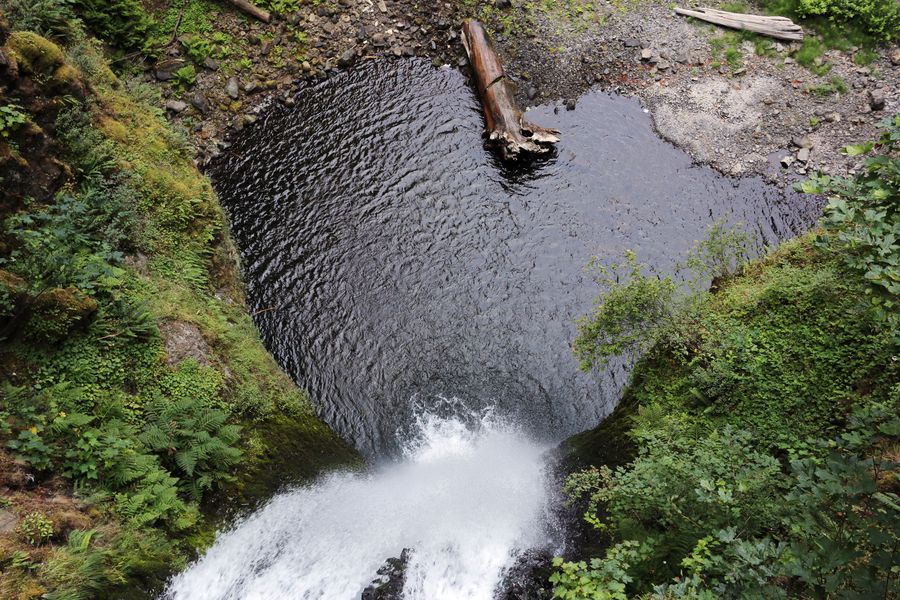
{"points": [[252, 10], [505, 124], [780, 28]]}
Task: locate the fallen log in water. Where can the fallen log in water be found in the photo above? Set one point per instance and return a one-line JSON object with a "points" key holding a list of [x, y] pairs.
{"points": [[780, 28], [506, 127]]}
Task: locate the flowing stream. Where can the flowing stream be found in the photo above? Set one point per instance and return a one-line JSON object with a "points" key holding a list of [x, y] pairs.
{"points": [[393, 263]]}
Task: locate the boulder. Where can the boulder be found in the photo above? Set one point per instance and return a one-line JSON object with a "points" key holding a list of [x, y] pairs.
{"points": [[35, 55], [55, 313]]}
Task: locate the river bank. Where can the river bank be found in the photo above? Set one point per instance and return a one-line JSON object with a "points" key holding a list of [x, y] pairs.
{"points": [[742, 104]]}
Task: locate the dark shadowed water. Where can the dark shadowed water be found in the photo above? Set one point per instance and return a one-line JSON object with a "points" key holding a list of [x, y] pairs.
{"points": [[392, 260]]}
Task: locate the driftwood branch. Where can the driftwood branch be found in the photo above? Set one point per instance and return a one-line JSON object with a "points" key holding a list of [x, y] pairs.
{"points": [[780, 28], [251, 9], [505, 124]]}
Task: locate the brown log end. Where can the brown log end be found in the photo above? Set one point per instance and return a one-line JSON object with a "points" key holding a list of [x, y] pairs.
{"points": [[506, 128]]}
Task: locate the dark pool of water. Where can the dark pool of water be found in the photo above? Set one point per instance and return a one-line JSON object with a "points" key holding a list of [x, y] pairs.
{"points": [[392, 260]]}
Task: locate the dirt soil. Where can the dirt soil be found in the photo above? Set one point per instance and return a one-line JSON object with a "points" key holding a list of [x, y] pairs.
{"points": [[761, 113]]}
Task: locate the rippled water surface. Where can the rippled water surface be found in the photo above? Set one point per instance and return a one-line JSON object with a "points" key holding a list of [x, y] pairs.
{"points": [[391, 260]]}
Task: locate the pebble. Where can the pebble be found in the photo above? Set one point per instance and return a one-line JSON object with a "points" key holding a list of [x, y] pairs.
{"points": [[198, 101], [209, 63], [532, 93], [802, 142], [876, 99], [570, 104], [631, 43], [646, 54], [346, 59], [787, 161], [176, 106], [232, 89], [803, 155]]}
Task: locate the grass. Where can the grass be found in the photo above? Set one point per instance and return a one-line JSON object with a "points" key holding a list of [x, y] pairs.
{"points": [[835, 85]]}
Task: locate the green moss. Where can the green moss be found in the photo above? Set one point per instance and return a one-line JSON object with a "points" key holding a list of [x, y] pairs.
{"points": [[34, 54], [66, 80], [786, 351], [55, 313], [145, 198]]}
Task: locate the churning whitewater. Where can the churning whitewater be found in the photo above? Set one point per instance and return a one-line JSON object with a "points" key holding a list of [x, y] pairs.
{"points": [[470, 493]]}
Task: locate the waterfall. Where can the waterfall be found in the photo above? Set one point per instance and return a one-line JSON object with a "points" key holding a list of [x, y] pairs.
{"points": [[471, 492]]}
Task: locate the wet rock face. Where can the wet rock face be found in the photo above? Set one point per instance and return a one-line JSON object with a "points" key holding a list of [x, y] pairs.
{"points": [[391, 577], [528, 578]]}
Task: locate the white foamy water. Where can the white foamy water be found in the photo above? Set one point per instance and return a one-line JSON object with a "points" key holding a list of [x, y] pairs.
{"points": [[469, 495]]}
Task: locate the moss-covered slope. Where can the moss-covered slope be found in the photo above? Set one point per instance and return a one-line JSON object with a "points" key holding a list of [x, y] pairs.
{"points": [[136, 389]]}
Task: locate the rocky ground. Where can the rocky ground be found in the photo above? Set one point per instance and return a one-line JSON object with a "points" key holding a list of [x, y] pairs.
{"points": [[742, 106]]}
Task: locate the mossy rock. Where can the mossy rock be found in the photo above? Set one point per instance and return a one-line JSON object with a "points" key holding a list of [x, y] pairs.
{"points": [[34, 54], [284, 450], [12, 290], [65, 81], [55, 313], [4, 28], [606, 444]]}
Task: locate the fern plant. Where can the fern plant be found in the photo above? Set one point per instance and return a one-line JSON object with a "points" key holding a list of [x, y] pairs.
{"points": [[192, 440]]}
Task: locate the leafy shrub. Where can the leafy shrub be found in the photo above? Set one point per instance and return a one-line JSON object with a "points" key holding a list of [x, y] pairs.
{"points": [[12, 116], [599, 579], [880, 18], [862, 220], [635, 311], [198, 48], [58, 249], [36, 528], [716, 518], [49, 18], [123, 23], [629, 318], [185, 77], [192, 440]]}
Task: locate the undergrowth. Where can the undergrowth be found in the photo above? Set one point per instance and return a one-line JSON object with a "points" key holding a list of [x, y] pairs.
{"points": [[131, 437], [762, 417]]}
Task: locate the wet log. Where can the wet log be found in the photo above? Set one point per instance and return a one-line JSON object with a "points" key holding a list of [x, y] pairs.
{"points": [[251, 9], [780, 28], [506, 126]]}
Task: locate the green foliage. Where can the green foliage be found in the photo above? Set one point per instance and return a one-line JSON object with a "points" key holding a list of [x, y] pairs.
{"points": [[729, 487], [12, 116], [718, 518], [810, 53], [635, 312], [197, 48], [194, 441], [835, 85], [862, 220], [36, 528], [601, 579], [123, 23], [185, 77], [49, 18], [880, 18], [719, 255], [629, 318], [281, 7]]}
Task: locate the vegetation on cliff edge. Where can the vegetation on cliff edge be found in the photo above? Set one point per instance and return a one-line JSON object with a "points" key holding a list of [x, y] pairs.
{"points": [[135, 389], [761, 425]]}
